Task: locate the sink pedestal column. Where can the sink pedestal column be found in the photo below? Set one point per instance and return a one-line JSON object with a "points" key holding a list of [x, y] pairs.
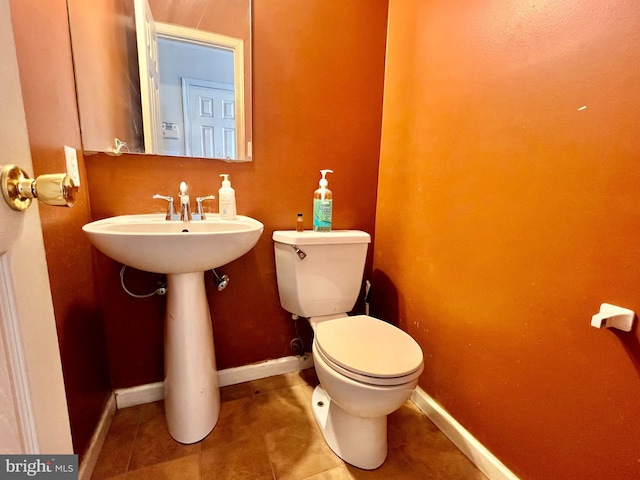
{"points": [[191, 390]]}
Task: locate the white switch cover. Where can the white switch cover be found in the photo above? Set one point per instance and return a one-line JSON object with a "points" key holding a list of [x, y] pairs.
{"points": [[72, 164]]}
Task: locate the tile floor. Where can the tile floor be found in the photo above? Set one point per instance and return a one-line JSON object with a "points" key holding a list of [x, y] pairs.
{"points": [[266, 431]]}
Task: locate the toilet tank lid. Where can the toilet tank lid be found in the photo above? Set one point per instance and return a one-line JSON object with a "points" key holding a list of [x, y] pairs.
{"points": [[309, 237]]}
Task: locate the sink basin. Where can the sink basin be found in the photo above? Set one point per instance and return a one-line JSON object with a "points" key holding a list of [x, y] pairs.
{"points": [[183, 251], [151, 243]]}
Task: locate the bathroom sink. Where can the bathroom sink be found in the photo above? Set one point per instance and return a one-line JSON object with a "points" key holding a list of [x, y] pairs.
{"points": [[183, 251], [150, 242]]}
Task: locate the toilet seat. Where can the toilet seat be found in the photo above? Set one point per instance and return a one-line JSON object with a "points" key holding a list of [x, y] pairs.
{"points": [[388, 357]]}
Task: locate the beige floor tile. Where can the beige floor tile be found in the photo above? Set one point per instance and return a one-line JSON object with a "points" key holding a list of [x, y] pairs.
{"points": [[395, 467], [337, 473], [234, 392], [239, 420], [434, 456], [126, 418], [406, 424], [116, 450], [266, 430], [153, 444], [284, 407], [275, 382], [299, 451], [151, 410], [114, 456], [185, 468], [243, 460]]}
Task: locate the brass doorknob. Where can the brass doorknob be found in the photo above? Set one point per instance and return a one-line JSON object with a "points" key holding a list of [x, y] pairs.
{"points": [[53, 189]]}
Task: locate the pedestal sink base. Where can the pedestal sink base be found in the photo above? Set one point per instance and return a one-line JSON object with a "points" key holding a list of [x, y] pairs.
{"points": [[149, 242], [191, 389]]}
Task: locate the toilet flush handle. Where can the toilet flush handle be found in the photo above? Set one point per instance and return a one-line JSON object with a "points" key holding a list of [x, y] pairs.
{"points": [[299, 252]]}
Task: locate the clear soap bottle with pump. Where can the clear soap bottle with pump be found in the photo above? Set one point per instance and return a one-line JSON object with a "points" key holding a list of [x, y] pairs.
{"points": [[227, 199], [323, 205]]}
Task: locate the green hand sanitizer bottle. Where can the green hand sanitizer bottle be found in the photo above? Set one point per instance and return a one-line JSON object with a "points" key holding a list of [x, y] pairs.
{"points": [[322, 205]]}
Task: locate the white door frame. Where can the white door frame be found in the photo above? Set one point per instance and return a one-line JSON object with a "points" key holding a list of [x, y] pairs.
{"points": [[147, 42], [32, 369]]}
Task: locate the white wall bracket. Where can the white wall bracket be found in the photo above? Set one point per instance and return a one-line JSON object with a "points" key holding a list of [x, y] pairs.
{"points": [[612, 316]]}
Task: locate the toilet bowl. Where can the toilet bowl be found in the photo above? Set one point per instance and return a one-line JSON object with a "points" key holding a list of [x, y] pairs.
{"points": [[367, 367]]}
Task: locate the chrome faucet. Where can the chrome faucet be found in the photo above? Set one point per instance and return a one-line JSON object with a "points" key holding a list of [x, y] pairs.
{"points": [[185, 207]]}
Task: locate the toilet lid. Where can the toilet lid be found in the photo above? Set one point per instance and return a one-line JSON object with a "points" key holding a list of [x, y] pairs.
{"points": [[389, 356]]}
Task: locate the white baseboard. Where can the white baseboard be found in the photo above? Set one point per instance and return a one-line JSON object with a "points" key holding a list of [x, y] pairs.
{"points": [[482, 458], [90, 457], [246, 373], [130, 397], [152, 392]]}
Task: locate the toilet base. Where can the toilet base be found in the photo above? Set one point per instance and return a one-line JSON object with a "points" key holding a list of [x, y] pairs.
{"points": [[359, 441]]}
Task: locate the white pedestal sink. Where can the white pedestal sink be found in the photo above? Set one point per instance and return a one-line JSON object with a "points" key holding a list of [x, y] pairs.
{"points": [[183, 251]]}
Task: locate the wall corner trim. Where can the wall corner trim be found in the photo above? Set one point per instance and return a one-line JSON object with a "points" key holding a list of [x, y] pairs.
{"points": [[479, 455]]}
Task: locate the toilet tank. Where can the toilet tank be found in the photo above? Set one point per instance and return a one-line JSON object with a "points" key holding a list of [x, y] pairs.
{"points": [[328, 279]]}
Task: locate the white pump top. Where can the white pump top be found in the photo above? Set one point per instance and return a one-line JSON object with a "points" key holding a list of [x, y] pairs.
{"points": [[226, 183], [323, 181]]}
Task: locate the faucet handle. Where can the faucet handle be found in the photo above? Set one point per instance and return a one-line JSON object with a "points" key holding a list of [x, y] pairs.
{"points": [[171, 208], [199, 211]]}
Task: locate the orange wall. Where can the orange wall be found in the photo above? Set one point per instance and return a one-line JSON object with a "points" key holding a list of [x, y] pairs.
{"points": [[507, 213], [317, 103], [46, 72]]}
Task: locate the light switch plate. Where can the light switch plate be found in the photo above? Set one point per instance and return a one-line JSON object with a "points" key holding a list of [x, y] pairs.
{"points": [[72, 164]]}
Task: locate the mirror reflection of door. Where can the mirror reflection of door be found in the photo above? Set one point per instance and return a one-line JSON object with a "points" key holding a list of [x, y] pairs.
{"points": [[200, 79], [209, 119]]}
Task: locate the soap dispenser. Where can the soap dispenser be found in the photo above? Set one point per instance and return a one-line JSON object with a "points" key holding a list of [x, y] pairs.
{"points": [[227, 196], [322, 205]]}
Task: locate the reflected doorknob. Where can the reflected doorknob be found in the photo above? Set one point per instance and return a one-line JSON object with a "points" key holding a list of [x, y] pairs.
{"points": [[53, 189]]}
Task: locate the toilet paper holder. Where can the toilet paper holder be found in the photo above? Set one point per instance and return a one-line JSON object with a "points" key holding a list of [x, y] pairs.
{"points": [[612, 316]]}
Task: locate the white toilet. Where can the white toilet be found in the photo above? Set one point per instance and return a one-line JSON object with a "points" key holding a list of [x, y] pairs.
{"points": [[367, 368]]}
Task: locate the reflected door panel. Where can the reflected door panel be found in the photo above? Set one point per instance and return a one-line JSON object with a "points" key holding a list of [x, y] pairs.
{"points": [[209, 119]]}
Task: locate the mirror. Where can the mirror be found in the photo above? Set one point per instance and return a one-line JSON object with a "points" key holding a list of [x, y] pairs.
{"points": [[195, 64]]}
